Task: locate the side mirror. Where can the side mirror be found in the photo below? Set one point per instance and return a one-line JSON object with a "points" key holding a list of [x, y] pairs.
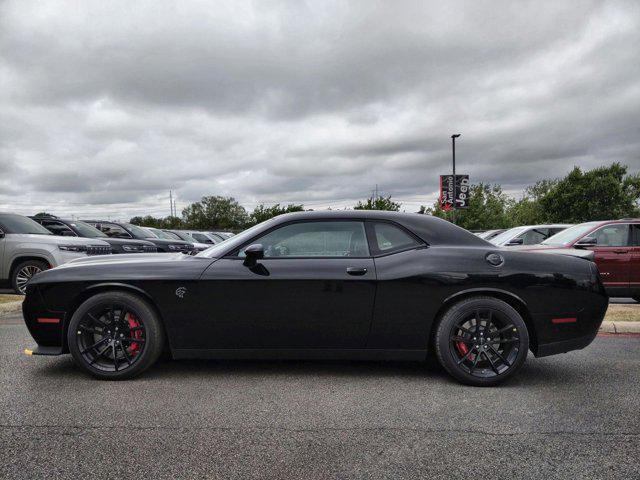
{"points": [[1, 233], [253, 253], [586, 242], [515, 241]]}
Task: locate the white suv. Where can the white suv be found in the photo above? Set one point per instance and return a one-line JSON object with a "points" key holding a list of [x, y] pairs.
{"points": [[27, 248]]}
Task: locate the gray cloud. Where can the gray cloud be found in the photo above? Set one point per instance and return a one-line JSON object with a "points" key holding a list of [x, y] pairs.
{"points": [[105, 106]]}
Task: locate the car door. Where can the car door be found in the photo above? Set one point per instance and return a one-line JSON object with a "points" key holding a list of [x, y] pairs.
{"points": [[634, 268], [613, 252], [314, 288]]}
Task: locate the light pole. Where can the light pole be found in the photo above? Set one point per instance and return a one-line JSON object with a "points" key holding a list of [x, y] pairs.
{"points": [[453, 151]]}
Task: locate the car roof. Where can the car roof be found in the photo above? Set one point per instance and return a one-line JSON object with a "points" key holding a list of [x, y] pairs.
{"points": [[433, 230]]}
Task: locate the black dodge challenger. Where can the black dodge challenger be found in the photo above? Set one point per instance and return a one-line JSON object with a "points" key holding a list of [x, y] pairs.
{"points": [[319, 285]]}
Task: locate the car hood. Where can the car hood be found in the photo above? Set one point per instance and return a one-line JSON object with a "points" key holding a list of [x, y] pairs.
{"points": [[553, 249], [163, 241], [130, 268], [537, 248], [139, 258], [56, 240], [126, 241]]}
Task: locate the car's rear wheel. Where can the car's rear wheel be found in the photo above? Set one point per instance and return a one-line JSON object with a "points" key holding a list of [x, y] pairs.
{"points": [[115, 335], [481, 341], [25, 272]]}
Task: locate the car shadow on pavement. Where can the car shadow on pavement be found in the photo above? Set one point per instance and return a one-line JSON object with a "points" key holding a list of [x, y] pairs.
{"points": [[534, 372]]}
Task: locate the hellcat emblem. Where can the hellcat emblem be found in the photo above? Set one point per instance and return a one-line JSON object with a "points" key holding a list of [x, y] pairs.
{"points": [[180, 291]]}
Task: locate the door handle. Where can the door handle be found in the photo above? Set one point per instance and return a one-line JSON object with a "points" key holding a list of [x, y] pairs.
{"points": [[621, 251], [356, 271]]}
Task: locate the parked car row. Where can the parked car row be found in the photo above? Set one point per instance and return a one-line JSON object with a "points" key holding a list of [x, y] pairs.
{"points": [[29, 245], [615, 243]]}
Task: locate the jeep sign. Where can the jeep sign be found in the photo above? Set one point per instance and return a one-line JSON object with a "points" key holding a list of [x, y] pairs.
{"points": [[447, 192]]}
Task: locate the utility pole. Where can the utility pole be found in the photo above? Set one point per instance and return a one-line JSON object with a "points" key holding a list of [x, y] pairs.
{"points": [[170, 203], [455, 193]]}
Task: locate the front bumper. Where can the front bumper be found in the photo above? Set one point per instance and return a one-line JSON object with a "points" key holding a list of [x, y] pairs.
{"points": [[45, 326], [47, 351]]}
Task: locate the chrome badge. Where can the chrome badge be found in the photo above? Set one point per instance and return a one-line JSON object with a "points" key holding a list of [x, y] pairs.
{"points": [[180, 291]]}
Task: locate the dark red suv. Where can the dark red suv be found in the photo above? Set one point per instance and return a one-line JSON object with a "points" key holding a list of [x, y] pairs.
{"points": [[616, 244]]}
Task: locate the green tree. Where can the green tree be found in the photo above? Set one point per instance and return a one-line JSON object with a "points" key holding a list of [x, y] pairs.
{"points": [[599, 194], [215, 212], [379, 203], [166, 222], [262, 213], [529, 210], [488, 208]]}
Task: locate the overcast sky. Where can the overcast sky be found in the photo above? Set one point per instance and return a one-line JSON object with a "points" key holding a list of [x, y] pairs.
{"points": [[106, 106]]}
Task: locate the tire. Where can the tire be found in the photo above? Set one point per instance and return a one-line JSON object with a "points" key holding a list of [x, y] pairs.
{"points": [[462, 347], [115, 336], [23, 272]]}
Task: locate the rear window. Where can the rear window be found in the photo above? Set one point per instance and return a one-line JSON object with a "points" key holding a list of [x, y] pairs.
{"points": [[390, 238]]}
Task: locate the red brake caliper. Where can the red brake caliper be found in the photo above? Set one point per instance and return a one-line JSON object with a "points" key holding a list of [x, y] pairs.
{"points": [[462, 348], [134, 348]]}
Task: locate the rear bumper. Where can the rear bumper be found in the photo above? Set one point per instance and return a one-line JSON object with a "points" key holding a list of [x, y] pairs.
{"points": [[565, 345]]}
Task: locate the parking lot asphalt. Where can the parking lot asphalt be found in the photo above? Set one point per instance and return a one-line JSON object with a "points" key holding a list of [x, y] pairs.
{"points": [[570, 416]]}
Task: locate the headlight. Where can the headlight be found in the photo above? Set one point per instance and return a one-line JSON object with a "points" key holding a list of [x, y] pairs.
{"points": [[132, 248], [73, 248], [175, 248]]}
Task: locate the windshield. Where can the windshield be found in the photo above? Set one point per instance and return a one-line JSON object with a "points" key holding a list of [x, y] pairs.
{"points": [[87, 230], [235, 241], [138, 231], [12, 223], [570, 235], [507, 235], [201, 237], [162, 234]]}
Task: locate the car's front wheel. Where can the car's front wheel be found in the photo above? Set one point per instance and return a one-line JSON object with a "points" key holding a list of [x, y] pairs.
{"points": [[481, 341], [24, 272], [115, 335]]}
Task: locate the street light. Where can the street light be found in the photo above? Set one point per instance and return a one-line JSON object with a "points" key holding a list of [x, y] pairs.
{"points": [[455, 194]]}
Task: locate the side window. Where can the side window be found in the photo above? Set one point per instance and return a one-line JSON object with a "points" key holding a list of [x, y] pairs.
{"points": [[57, 228], [612, 236], [553, 231], [390, 238], [114, 230], [535, 236], [636, 235], [316, 239]]}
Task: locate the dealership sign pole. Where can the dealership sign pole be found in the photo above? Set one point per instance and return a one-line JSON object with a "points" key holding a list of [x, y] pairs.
{"points": [[453, 152]]}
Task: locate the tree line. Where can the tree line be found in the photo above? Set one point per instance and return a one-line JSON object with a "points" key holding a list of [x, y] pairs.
{"points": [[602, 193]]}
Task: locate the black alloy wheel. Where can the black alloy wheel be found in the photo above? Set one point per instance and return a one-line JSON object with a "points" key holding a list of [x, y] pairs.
{"points": [[482, 341], [115, 335]]}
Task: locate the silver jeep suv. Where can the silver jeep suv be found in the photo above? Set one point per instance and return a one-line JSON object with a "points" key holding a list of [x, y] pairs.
{"points": [[26, 248]]}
